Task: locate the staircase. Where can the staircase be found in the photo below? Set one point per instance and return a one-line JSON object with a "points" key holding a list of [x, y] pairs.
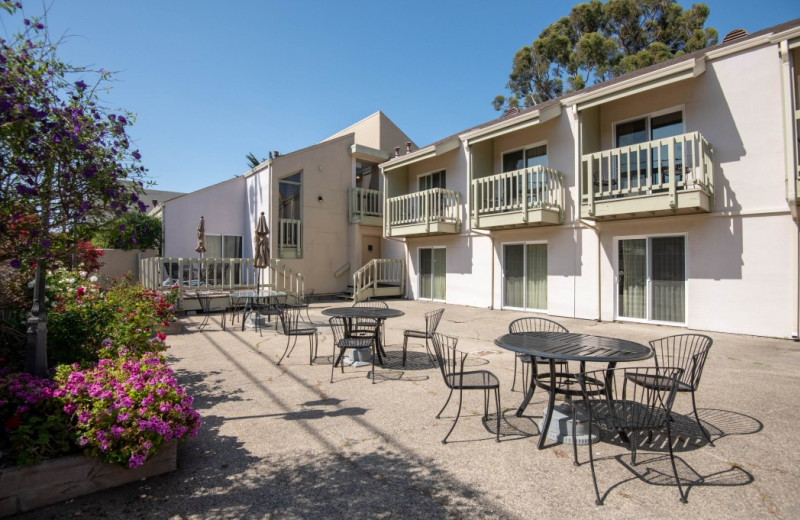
{"points": [[380, 278]]}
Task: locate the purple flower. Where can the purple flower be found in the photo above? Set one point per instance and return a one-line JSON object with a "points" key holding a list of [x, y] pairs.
{"points": [[16, 263], [136, 155], [84, 440], [122, 120], [136, 460], [70, 408], [80, 85]]}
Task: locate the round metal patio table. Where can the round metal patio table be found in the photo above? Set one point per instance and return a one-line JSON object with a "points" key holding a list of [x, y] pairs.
{"points": [[567, 346], [348, 313]]}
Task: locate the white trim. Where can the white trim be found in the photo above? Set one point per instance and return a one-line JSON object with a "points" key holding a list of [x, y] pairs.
{"points": [[648, 260], [421, 154], [514, 124]]}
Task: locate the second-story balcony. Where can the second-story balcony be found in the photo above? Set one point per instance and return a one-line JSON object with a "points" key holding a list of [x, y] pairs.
{"points": [[366, 207], [668, 176], [527, 197], [430, 212], [289, 238]]}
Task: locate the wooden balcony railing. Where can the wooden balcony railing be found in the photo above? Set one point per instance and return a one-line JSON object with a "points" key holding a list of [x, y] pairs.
{"points": [[522, 190], [424, 208], [289, 238], [380, 277], [366, 206], [664, 166]]}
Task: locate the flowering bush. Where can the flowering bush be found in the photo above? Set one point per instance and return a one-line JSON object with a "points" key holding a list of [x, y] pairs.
{"points": [[31, 421], [84, 316], [124, 409]]}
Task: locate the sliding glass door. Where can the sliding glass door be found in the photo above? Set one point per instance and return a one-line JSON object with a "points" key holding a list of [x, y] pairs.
{"points": [[651, 282], [525, 276], [432, 273]]}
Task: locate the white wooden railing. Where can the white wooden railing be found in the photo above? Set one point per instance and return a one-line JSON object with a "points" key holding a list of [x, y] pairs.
{"points": [[289, 237], [365, 203], [423, 207], [219, 274], [537, 187], [376, 272], [679, 162]]}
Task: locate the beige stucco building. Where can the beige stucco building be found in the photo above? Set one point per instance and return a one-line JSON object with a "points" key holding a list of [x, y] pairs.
{"points": [[668, 195], [322, 204]]}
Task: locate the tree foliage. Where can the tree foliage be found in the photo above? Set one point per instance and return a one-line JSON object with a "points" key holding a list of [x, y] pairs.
{"points": [[599, 41], [64, 157], [132, 230]]}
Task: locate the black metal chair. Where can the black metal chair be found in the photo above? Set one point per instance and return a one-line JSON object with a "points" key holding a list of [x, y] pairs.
{"points": [[614, 406], [451, 364], [689, 353], [269, 306], [432, 319], [304, 302], [290, 318], [363, 326], [343, 341], [533, 324]]}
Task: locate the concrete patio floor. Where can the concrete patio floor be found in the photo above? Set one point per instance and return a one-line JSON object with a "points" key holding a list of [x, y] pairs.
{"points": [[283, 442]]}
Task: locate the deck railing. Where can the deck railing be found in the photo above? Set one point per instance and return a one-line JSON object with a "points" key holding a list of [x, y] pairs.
{"points": [[423, 207], [289, 237], [664, 165], [537, 187], [377, 272], [219, 274], [365, 203]]}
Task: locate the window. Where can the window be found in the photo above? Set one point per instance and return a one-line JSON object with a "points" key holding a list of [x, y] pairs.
{"points": [[223, 246], [525, 276], [367, 175], [526, 158], [432, 273], [289, 216], [651, 279], [431, 180], [650, 128], [634, 164]]}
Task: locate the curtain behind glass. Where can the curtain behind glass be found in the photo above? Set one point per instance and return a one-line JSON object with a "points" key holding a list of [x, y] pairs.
{"points": [[536, 279], [669, 279], [439, 274], [633, 278], [513, 275], [425, 273], [213, 246]]}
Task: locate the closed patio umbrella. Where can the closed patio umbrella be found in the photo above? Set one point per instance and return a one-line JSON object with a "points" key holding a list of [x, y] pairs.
{"points": [[261, 245], [201, 237]]}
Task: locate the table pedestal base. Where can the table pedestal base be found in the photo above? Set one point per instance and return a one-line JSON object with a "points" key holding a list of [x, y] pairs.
{"points": [[358, 357], [561, 427]]}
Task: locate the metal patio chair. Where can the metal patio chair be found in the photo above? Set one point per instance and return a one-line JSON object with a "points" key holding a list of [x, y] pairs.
{"points": [[614, 404], [451, 364], [342, 341], [290, 318], [432, 319], [689, 353], [533, 324]]}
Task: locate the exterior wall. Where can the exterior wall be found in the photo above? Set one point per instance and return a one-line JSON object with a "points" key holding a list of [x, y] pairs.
{"points": [[220, 204], [118, 262]]}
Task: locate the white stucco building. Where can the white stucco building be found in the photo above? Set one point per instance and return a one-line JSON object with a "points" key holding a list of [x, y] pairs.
{"points": [[668, 195]]}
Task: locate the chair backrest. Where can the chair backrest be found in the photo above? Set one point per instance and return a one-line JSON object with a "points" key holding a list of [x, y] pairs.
{"points": [[339, 328], [449, 359], [290, 316], [308, 296], [531, 324], [684, 351], [432, 319], [629, 398], [377, 304]]}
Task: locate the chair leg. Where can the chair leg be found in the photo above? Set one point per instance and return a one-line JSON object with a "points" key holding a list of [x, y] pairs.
{"points": [[674, 467], [405, 346], [497, 404], [514, 379], [333, 361], [574, 437], [697, 418], [458, 414], [288, 352], [439, 415], [374, 351]]}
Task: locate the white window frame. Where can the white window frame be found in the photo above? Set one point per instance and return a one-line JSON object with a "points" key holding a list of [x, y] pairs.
{"points": [[503, 278], [443, 171], [419, 273], [647, 118], [648, 263], [222, 243], [523, 148]]}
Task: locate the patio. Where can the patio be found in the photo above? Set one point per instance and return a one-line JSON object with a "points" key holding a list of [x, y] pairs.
{"points": [[283, 442]]}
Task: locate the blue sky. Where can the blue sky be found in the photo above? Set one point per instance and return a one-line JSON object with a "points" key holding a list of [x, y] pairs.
{"points": [[213, 81]]}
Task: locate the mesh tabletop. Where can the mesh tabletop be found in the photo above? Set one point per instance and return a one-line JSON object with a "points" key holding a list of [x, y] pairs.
{"points": [[362, 312], [574, 347]]}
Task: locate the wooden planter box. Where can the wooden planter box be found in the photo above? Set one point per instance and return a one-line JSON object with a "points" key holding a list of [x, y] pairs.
{"points": [[28, 487], [174, 327]]}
